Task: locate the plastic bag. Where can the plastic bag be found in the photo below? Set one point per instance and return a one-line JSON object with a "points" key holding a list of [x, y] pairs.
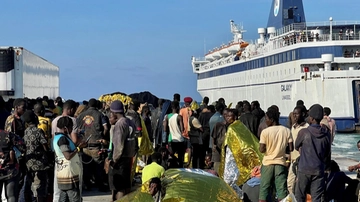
{"points": [[289, 198]]}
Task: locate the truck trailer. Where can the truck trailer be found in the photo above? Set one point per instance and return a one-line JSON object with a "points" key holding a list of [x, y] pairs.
{"points": [[24, 74]]}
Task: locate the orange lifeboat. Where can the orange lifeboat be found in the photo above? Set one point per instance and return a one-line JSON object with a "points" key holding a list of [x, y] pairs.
{"points": [[244, 44]]}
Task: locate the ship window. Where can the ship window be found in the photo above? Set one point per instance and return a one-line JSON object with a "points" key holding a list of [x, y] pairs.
{"points": [[294, 70], [289, 56], [276, 59], [272, 60], [280, 58], [284, 57], [293, 55]]}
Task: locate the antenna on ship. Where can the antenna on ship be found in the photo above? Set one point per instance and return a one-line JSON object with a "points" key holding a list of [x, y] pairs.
{"points": [[237, 31], [204, 46]]}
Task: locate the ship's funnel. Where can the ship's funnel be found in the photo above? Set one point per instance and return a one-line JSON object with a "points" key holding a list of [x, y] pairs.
{"points": [[286, 12]]}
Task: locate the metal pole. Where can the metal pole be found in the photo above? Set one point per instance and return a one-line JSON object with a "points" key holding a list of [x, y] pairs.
{"points": [[331, 19], [354, 32]]}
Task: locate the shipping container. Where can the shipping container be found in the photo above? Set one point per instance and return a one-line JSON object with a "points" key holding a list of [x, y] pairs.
{"points": [[25, 74]]}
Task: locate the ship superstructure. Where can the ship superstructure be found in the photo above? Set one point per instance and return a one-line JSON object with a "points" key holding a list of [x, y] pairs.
{"points": [[292, 59]]}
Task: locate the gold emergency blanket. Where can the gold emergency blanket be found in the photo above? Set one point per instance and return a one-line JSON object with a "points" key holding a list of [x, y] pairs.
{"points": [[181, 185], [244, 147], [145, 146]]}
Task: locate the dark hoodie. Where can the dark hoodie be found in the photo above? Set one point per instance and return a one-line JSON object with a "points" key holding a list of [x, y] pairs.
{"points": [[315, 144]]}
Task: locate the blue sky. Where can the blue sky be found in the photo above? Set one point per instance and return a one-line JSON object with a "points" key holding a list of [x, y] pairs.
{"points": [[133, 46]]}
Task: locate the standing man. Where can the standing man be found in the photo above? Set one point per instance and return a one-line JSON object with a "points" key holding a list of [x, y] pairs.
{"points": [[174, 122], [204, 104], [92, 123], [135, 117], [204, 119], [273, 143], [332, 125], [299, 117], [249, 119], [257, 111], [186, 113], [45, 126], [216, 118], [124, 148], [314, 145], [16, 125], [155, 119], [36, 159]]}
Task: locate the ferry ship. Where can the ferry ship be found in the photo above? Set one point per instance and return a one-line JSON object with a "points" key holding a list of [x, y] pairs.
{"points": [[291, 60]]}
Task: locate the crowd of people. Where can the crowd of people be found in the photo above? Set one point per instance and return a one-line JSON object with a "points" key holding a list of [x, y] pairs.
{"points": [[52, 149]]}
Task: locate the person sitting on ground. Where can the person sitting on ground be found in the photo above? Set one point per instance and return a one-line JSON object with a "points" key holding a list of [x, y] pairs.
{"points": [[357, 166], [336, 183], [251, 188], [154, 169], [208, 162], [155, 189]]}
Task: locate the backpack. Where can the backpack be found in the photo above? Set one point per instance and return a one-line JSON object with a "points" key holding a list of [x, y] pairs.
{"points": [[44, 125]]}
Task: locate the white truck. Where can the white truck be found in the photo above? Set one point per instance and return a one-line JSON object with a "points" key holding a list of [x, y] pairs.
{"points": [[24, 74]]}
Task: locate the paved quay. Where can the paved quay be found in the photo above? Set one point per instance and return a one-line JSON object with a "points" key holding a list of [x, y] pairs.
{"points": [[92, 196], [95, 195], [344, 163]]}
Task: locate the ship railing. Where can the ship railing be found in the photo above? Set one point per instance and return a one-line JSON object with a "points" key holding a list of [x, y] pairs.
{"points": [[334, 23], [291, 27], [326, 37], [199, 58], [302, 26]]}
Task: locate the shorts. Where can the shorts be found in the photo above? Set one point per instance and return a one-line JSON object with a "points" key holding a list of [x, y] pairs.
{"points": [[37, 181], [120, 174]]}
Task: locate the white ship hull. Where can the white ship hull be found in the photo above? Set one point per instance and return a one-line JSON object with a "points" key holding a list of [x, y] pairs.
{"points": [[334, 89]]}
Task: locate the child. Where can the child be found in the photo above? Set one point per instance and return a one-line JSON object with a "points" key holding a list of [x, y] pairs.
{"points": [[208, 162]]}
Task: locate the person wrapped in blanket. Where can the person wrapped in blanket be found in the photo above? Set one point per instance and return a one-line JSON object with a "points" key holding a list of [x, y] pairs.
{"points": [[239, 153]]}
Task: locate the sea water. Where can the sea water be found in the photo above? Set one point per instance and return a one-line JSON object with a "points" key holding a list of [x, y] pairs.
{"points": [[345, 145]]}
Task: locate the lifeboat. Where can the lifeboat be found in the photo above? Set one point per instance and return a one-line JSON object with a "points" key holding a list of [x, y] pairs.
{"points": [[224, 52], [244, 44], [216, 55], [233, 48], [209, 57]]}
